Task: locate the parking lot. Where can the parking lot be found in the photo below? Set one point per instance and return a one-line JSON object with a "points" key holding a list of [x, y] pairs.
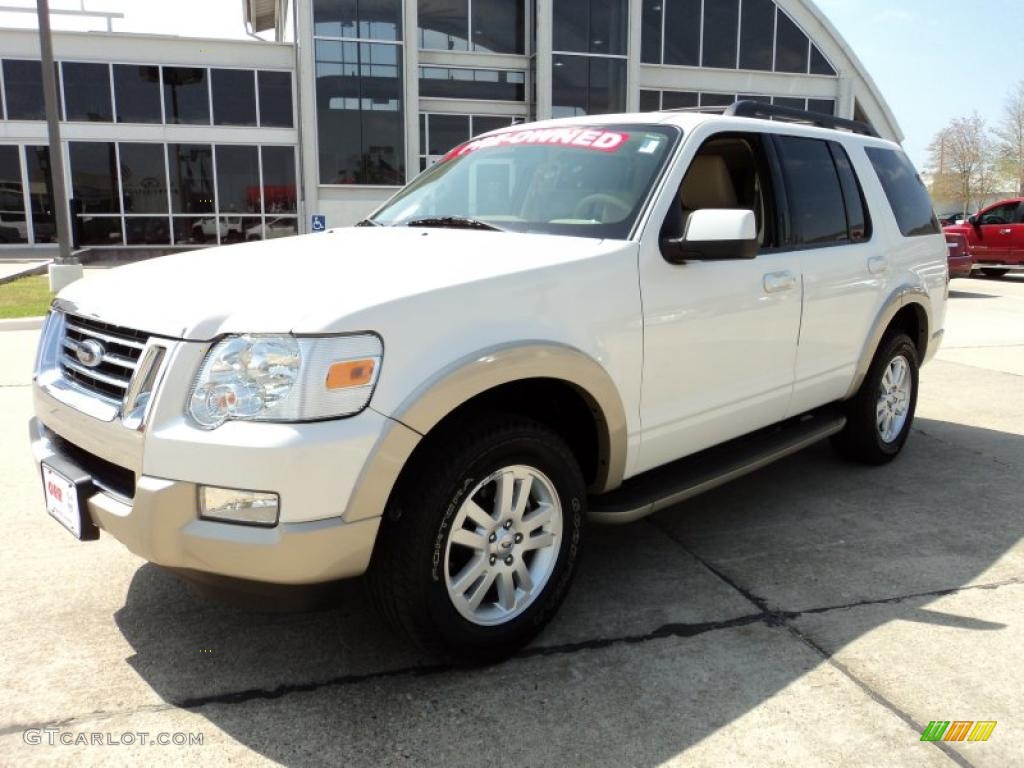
{"points": [[813, 613]]}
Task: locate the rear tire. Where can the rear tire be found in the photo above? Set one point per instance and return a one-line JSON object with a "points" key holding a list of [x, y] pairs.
{"points": [[880, 415], [465, 565], [990, 272]]}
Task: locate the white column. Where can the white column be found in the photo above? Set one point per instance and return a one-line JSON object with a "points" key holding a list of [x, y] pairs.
{"points": [[411, 88], [543, 58], [633, 51], [305, 108]]}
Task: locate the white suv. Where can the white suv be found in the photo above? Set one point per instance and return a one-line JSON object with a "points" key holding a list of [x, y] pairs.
{"points": [[594, 317]]}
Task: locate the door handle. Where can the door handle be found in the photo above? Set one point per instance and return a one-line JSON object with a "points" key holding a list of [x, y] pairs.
{"points": [[776, 282], [1005, 231], [877, 265]]}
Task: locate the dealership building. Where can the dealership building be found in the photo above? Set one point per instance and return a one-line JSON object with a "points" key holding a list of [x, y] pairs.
{"points": [[174, 142]]}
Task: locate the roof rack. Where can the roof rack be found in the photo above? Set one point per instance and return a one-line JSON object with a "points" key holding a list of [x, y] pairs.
{"points": [[750, 108]]}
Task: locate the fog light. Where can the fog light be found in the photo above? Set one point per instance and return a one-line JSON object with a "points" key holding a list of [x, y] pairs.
{"points": [[234, 506]]}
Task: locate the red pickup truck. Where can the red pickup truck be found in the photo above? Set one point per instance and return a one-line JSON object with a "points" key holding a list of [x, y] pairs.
{"points": [[995, 237]]}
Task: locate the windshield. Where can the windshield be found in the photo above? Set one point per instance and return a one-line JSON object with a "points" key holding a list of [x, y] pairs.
{"points": [[587, 181]]}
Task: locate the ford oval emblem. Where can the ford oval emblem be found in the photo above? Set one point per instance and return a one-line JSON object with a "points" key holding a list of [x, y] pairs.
{"points": [[90, 353]]}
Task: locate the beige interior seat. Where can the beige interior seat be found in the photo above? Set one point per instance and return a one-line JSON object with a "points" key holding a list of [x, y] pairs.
{"points": [[707, 185]]}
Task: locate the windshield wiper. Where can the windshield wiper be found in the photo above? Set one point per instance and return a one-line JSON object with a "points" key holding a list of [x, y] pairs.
{"points": [[368, 223], [453, 222]]}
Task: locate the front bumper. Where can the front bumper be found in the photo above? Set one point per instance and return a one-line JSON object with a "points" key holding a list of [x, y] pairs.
{"points": [[161, 524]]}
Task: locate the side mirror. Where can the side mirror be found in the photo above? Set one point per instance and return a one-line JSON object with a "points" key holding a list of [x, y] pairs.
{"points": [[713, 234], [972, 220]]}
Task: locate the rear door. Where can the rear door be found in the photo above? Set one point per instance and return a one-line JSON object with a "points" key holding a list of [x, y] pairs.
{"points": [[843, 267]]}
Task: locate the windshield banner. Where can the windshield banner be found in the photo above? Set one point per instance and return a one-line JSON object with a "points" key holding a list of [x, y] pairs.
{"points": [[582, 138]]}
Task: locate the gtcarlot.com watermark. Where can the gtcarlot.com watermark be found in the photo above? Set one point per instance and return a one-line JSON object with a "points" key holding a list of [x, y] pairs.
{"points": [[59, 737]]}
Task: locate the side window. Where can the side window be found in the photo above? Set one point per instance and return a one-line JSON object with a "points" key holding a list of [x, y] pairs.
{"points": [[905, 191], [858, 221], [1020, 214], [1001, 214], [730, 170], [817, 208]]}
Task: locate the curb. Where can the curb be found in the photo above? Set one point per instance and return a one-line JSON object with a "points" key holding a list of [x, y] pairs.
{"points": [[22, 324], [29, 271]]}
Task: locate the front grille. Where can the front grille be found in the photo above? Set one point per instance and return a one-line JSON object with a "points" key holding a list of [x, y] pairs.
{"points": [[122, 348], [109, 477]]}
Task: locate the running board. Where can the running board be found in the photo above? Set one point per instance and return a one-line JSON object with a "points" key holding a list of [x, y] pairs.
{"points": [[670, 484]]}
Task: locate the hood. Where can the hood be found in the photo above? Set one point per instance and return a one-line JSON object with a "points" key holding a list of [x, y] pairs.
{"points": [[306, 284]]}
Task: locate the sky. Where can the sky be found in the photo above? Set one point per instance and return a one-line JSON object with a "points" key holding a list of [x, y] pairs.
{"points": [[933, 60]]}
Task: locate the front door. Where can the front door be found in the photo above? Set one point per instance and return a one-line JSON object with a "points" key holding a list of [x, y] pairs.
{"points": [[989, 239], [719, 336]]}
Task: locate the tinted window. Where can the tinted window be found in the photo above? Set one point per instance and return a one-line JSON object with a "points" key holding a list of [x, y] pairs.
{"points": [[790, 46], [483, 123], [87, 92], [234, 96], [721, 19], [464, 83], [368, 19], [590, 26], [650, 36], [682, 32], [819, 64], [13, 226], [857, 220], [585, 85], [825, 106], [444, 25], [679, 99], [757, 34], [186, 96], [147, 230], [279, 179], [40, 186], [143, 178], [191, 177], [446, 132], [816, 207], [499, 26], [94, 176], [784, 101], [275, 99], [716, 99], [905, 191], [238, 179], [650, 101], [1000, 214], [137, 93], [23, 83]]}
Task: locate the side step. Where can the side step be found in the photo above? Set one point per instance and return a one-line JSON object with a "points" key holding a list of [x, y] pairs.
{"points": [[664, 486]]}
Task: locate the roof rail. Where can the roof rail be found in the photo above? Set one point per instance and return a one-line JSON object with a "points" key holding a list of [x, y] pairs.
{"points": [[750, 108]]}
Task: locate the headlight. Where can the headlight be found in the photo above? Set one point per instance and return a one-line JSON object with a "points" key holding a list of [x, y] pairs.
{"points": [[285, 378]]}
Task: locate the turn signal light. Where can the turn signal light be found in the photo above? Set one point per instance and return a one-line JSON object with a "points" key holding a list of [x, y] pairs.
{"points": [[352, 373]]}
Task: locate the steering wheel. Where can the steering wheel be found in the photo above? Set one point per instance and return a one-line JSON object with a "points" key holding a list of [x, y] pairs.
{"points": [[601, 203]]}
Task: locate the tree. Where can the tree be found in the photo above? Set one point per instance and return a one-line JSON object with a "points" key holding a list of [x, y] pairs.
{"points": [[962, 161], [1010, 138]]}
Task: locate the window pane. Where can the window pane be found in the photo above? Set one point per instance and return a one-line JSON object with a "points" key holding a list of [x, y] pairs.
{"points": [[499, 26], [721, 22], [40, 188], [853, 195], [143, 178], [23, 82], [137, 93], [590, 26], [275, 99], [650, 101], [87, 92], [716, 99], [444, 25], [461, 83], [281, 226], [584, 85], [682, 32], [483, 124], [819, 64], [650, 32], [191, 168], [679, 99], [447, 132], [359, 113], [825, 106], [186, 97], [234, 96], [791, 103], [238, 180], [13, 224], [907, 194], [790, 46], [94, 176], [757, 34], [99, 230], [367, 19], [147, 230], [812, 187], [194, 231], [279, 179], [238, 229]]}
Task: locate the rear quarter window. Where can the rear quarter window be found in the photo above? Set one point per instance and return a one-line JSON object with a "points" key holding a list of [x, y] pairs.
{"points": [[906, 193]]}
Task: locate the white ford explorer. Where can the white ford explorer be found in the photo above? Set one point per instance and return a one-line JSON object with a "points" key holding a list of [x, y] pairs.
{"points": [[596, 317]]}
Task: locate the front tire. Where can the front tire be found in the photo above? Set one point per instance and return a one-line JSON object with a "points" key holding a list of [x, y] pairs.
{"points": [[880, 415], [479, 546]]}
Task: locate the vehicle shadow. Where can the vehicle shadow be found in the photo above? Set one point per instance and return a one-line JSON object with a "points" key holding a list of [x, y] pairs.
{"points": [[672, 630]]}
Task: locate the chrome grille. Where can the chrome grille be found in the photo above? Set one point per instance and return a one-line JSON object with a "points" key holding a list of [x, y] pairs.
{"points": [[110, 377]]}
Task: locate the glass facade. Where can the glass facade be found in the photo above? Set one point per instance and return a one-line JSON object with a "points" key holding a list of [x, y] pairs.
{"points": [[13, 221], [468, 83], [589, 41], [487, 26], [652, 101], [442, 132], [87, 92]]}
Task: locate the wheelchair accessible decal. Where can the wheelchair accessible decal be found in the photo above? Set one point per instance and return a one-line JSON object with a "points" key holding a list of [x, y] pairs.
{"points": [[581, 138]]}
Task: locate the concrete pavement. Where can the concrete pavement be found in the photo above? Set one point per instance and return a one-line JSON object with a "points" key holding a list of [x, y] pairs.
{"points": [[812, 613]]}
